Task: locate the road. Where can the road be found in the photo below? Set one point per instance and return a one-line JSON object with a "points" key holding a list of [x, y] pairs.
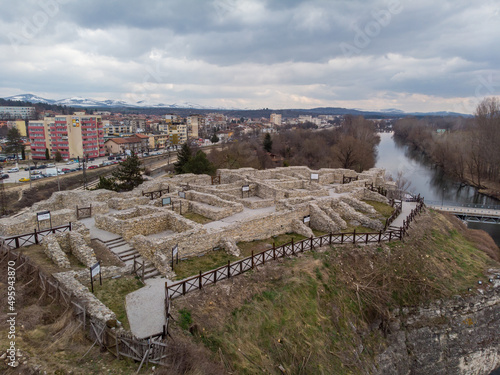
{"points": [[155, 161]]}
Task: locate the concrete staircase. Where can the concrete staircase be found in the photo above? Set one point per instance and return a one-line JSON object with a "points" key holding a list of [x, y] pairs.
{"points": [[127, 254]]}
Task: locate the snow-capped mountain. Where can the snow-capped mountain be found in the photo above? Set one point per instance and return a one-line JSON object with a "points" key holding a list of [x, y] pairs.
{"points": [[78, 101]]}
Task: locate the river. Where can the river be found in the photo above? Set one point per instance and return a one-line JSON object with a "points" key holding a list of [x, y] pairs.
{"points": [[430, 182]]}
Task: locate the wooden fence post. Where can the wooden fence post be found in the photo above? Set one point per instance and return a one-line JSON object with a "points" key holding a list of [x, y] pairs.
{"points": [[312, 244], [274, 251], [354, 237], [228, 269], [379, 236], [200, 283], [293, 250], [36, 237], [252, 260]]}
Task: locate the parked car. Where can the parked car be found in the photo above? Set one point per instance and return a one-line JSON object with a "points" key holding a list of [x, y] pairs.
{"points": [[37, 177], [31, 167], [12, 170], [92, 167], [3, 176], [111, 158], [51, 165], [24, 179], [33, 173], [65, 170]]}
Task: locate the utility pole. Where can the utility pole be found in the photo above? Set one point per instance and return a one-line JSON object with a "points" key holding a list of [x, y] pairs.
{"points": [[85, 162]]}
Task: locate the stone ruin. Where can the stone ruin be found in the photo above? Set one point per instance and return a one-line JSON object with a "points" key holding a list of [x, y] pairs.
{"points": [[274, 202]]}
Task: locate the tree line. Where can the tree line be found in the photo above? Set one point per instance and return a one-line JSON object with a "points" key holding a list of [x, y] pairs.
{"points": [[466, 149], [353, 146]]}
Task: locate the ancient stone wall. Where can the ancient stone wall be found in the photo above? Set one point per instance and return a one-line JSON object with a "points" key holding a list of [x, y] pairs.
{"points": [[456, 336], [54, 252]]}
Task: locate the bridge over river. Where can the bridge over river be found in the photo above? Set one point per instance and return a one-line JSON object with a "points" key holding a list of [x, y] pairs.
{"points": [[470, 212]]}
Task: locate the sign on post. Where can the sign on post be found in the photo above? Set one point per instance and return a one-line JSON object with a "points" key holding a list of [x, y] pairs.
{"points": [[245, 188], [182, 194], [42, 216], [94, 271], [307, 219], [314, 176], [166, 201], [175, 253]]}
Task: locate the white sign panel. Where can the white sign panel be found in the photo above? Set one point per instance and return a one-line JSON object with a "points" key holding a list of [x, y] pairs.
{"points": [[95, 269], [307, 218], [45, 215], [166, 201], [182, 194], [175, 250], [314, 176], [245, 188]]}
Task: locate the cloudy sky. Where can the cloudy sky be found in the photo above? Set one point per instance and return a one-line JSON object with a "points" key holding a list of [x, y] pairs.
{"points": [[424, 55]]}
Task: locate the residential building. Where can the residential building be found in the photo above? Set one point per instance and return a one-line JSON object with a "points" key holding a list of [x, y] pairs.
{"points": [[194, 124], [276, 119], [177, 133], [72, 136], [158, 141], [136, 143], [25, 113], [20, 125]]}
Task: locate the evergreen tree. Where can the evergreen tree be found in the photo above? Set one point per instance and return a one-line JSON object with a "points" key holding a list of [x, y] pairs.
{"points": [[199, 164], [14, 144], [47, 155], [214, 138], [106, 183], [129, 174], [58, 157], [267, 143], [183, 156]]}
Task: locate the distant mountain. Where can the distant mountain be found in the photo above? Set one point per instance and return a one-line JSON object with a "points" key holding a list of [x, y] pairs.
{"points": [[117, 104]]}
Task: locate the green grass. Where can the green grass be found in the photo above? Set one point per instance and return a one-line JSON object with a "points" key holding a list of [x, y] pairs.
{"points": [[384, 209], [290, 324], [307, 314], [197, 218], [257, 246], [359, 229], [192, 266], [112, 293]]}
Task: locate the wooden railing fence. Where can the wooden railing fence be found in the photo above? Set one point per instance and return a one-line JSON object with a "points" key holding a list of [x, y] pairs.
{"points": [[139, 269], [157, 193], [292, 248], [83, 212], [34, 238], [119, 343]]}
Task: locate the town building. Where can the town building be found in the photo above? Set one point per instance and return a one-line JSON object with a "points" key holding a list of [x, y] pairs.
{"points": [[73, 136], [177, 133], [136, 143], [194, 124], [276, 119], [25, 113]]}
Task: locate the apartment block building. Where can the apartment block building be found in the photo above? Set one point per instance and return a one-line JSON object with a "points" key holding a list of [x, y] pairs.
{"points": [[17, 112], [73, 136], [177, 133], [195, 123], [276, 119]]}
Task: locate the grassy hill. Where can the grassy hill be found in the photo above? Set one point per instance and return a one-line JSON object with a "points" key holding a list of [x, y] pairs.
{"points": [[327, 312]]}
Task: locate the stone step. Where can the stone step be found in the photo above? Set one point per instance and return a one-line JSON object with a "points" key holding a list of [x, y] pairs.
{"points": [[126, 252], [116, 244], [114, 239], [149, 276], [130, 257]]}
